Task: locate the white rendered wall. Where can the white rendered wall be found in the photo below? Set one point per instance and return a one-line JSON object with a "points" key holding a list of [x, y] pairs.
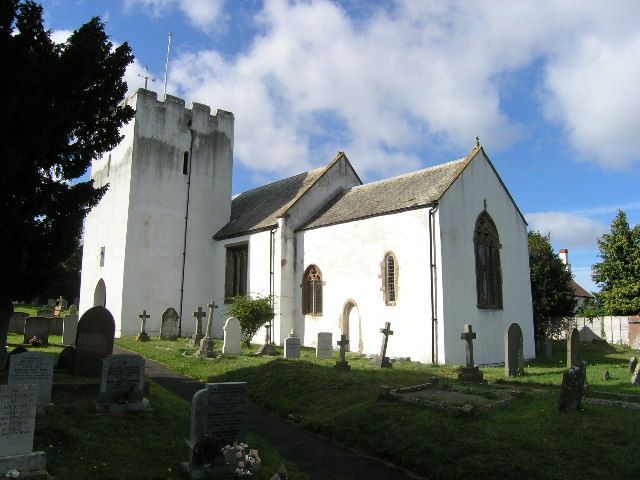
{"points": [[458, 210], [349, 256]]}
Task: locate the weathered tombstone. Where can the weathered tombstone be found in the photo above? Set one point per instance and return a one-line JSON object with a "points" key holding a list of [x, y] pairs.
{"points": [[342, 364], [37, 368], [56, 326], [384, 360], [142, 336], [169, 325], [122, 385], [218, 415], [73, 309], [44, 312], [573, 348], [469, 373], [194, 341], [65, 359], [36, 327], [6, 312], [16, 351], [206, 344], [324, 346], [51, 302], [632, 364], [18, 405], [16, 324], [292, 345], [573, 387], [513, 351], [69, 329], [232, 337], [635, 378], [606, 376], [94, 341]]}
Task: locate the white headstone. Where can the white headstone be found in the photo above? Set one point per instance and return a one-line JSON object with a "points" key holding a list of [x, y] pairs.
{"points": [[69, 329], [122, 379], [18, 404], [232, 337], [33, 368], [324, 345], [292, 346], [220, 410]]}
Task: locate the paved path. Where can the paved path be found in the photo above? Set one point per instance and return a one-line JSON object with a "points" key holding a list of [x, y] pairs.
{"points": [[315, 455]]}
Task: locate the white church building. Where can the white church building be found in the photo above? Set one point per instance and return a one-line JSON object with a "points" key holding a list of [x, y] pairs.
{"points": [[428, 251]]}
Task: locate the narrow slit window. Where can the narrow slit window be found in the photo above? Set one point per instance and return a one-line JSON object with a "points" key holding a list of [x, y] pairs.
{"points": [[390, 278], [102, 256], [185, 163]]}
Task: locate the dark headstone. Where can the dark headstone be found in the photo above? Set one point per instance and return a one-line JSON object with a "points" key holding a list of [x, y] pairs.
{"points": [[15, 351], [513, 351], [56, 326], [65, 359], [606, 376], [468, 336], [169, 326], [36, 327], [16, 324], [94, 341], [573, 348], [195, 339], [573, 387], [384, 360], [342, 364], [632, 364], [635, 378], [6, 312]]}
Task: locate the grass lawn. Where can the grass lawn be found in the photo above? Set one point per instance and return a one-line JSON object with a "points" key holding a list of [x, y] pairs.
{"points": [[529, 439]]}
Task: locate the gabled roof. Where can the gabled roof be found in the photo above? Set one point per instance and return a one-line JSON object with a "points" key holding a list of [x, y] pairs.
{"points": [[259, 209], [578, 291]]}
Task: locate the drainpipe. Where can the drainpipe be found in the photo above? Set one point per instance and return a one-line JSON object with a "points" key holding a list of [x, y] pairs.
{"points": [[272, 236], [434, 286], [186, 224]]}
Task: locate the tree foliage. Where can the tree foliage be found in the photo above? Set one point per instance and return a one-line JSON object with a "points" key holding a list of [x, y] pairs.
{"points": [[253, 313], [551, 290], [618, 274], [61, 109]]}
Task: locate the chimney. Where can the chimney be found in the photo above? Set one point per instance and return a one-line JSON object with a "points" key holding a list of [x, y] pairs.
{"points": [[564, 256]]}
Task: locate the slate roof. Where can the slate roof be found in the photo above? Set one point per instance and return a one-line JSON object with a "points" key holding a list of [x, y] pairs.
{"points": [[405, 192], [258, 209], [578, 291]]}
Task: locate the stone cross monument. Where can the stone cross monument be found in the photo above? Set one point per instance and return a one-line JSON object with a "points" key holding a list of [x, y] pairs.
{"points": [[384, 360], [142, 336], [206, 344], [194, 341], [342, 364], [470, 373]]}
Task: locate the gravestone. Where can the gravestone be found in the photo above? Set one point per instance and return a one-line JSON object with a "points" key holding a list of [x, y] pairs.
{"points": [[18, 404], [573, 387], [513, 351], [194, 341], [122, 385], [94, 341], [548, 348], [384, 360], [635, 378], [632, 364], [206, 344], [44, 312], [56, 326], [469, 373], [16, 351], [65, 359], [267, 348], [37, 368], [324, 346], [36, 327], [342, 364], [6, 312], [16, 324], [169, 326], [573, 348], [73, 309], [69, 329], [51, 302], [232, 337], [219, 411], [292, 345], [142, 336], [63, 303]]}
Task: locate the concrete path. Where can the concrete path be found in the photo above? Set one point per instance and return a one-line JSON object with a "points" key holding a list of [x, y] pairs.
{"points": [[317, 456]]}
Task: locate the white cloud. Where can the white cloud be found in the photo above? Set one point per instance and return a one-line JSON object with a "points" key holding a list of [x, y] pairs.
{"points": [[567, 230], [60, 36], [204, 14]]}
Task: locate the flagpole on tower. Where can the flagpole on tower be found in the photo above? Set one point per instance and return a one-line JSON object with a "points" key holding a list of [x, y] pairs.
{"points": [[166, 67]]}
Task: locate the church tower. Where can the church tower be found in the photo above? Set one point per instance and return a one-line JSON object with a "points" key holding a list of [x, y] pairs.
{"points": [[148, 243]]}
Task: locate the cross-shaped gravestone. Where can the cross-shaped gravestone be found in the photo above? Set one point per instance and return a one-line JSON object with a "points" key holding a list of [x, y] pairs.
{"points": [[197, 335], [142, 336], [386, 331], [342, 364], [206, 344], [469, 336]]}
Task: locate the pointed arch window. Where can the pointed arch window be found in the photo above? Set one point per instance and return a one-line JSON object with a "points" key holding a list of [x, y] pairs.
{"points": [[312, 291], [488, 270], [390, 278]]}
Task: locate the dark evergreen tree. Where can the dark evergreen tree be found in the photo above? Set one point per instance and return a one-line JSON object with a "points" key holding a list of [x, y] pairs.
{"points": [[618, 274], [61, 109], [551, 290]]}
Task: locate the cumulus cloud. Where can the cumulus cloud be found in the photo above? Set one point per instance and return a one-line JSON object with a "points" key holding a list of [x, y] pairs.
{"points": [[60, 36], [204, 14], [567, 230]]}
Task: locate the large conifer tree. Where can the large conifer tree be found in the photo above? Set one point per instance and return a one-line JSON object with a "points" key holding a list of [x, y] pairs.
{"points": [[61, 109]]}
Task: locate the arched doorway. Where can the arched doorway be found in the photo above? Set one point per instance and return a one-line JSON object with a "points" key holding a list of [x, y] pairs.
{"points": [[352, 326], [100, 294]]}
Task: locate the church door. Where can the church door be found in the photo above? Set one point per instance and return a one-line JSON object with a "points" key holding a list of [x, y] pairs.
{"points": [[100, 294], [352, 327]]}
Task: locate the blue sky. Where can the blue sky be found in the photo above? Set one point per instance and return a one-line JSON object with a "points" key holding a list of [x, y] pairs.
{"points": [[550, 88]]}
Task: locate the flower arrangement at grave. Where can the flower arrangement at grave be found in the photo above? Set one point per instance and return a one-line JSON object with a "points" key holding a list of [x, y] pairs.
{"points": [[14, 473], [243, 460], [35, 342]]}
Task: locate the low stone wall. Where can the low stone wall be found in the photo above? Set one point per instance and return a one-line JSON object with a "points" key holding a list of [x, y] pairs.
{"points": [[615, 330]]}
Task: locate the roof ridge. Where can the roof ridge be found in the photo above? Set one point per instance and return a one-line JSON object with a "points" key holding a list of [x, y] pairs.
{"points": [[277, 181]]}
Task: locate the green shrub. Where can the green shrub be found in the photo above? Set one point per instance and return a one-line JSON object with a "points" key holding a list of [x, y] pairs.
{"points": [[253, 313]]}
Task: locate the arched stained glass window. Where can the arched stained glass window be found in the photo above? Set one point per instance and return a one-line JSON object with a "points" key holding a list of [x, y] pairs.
{"points": [[488, 271], [312, 291]]}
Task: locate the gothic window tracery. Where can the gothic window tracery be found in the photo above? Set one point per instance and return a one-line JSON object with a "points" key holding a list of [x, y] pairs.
{"points": [[488, 269], [312, 291]]}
